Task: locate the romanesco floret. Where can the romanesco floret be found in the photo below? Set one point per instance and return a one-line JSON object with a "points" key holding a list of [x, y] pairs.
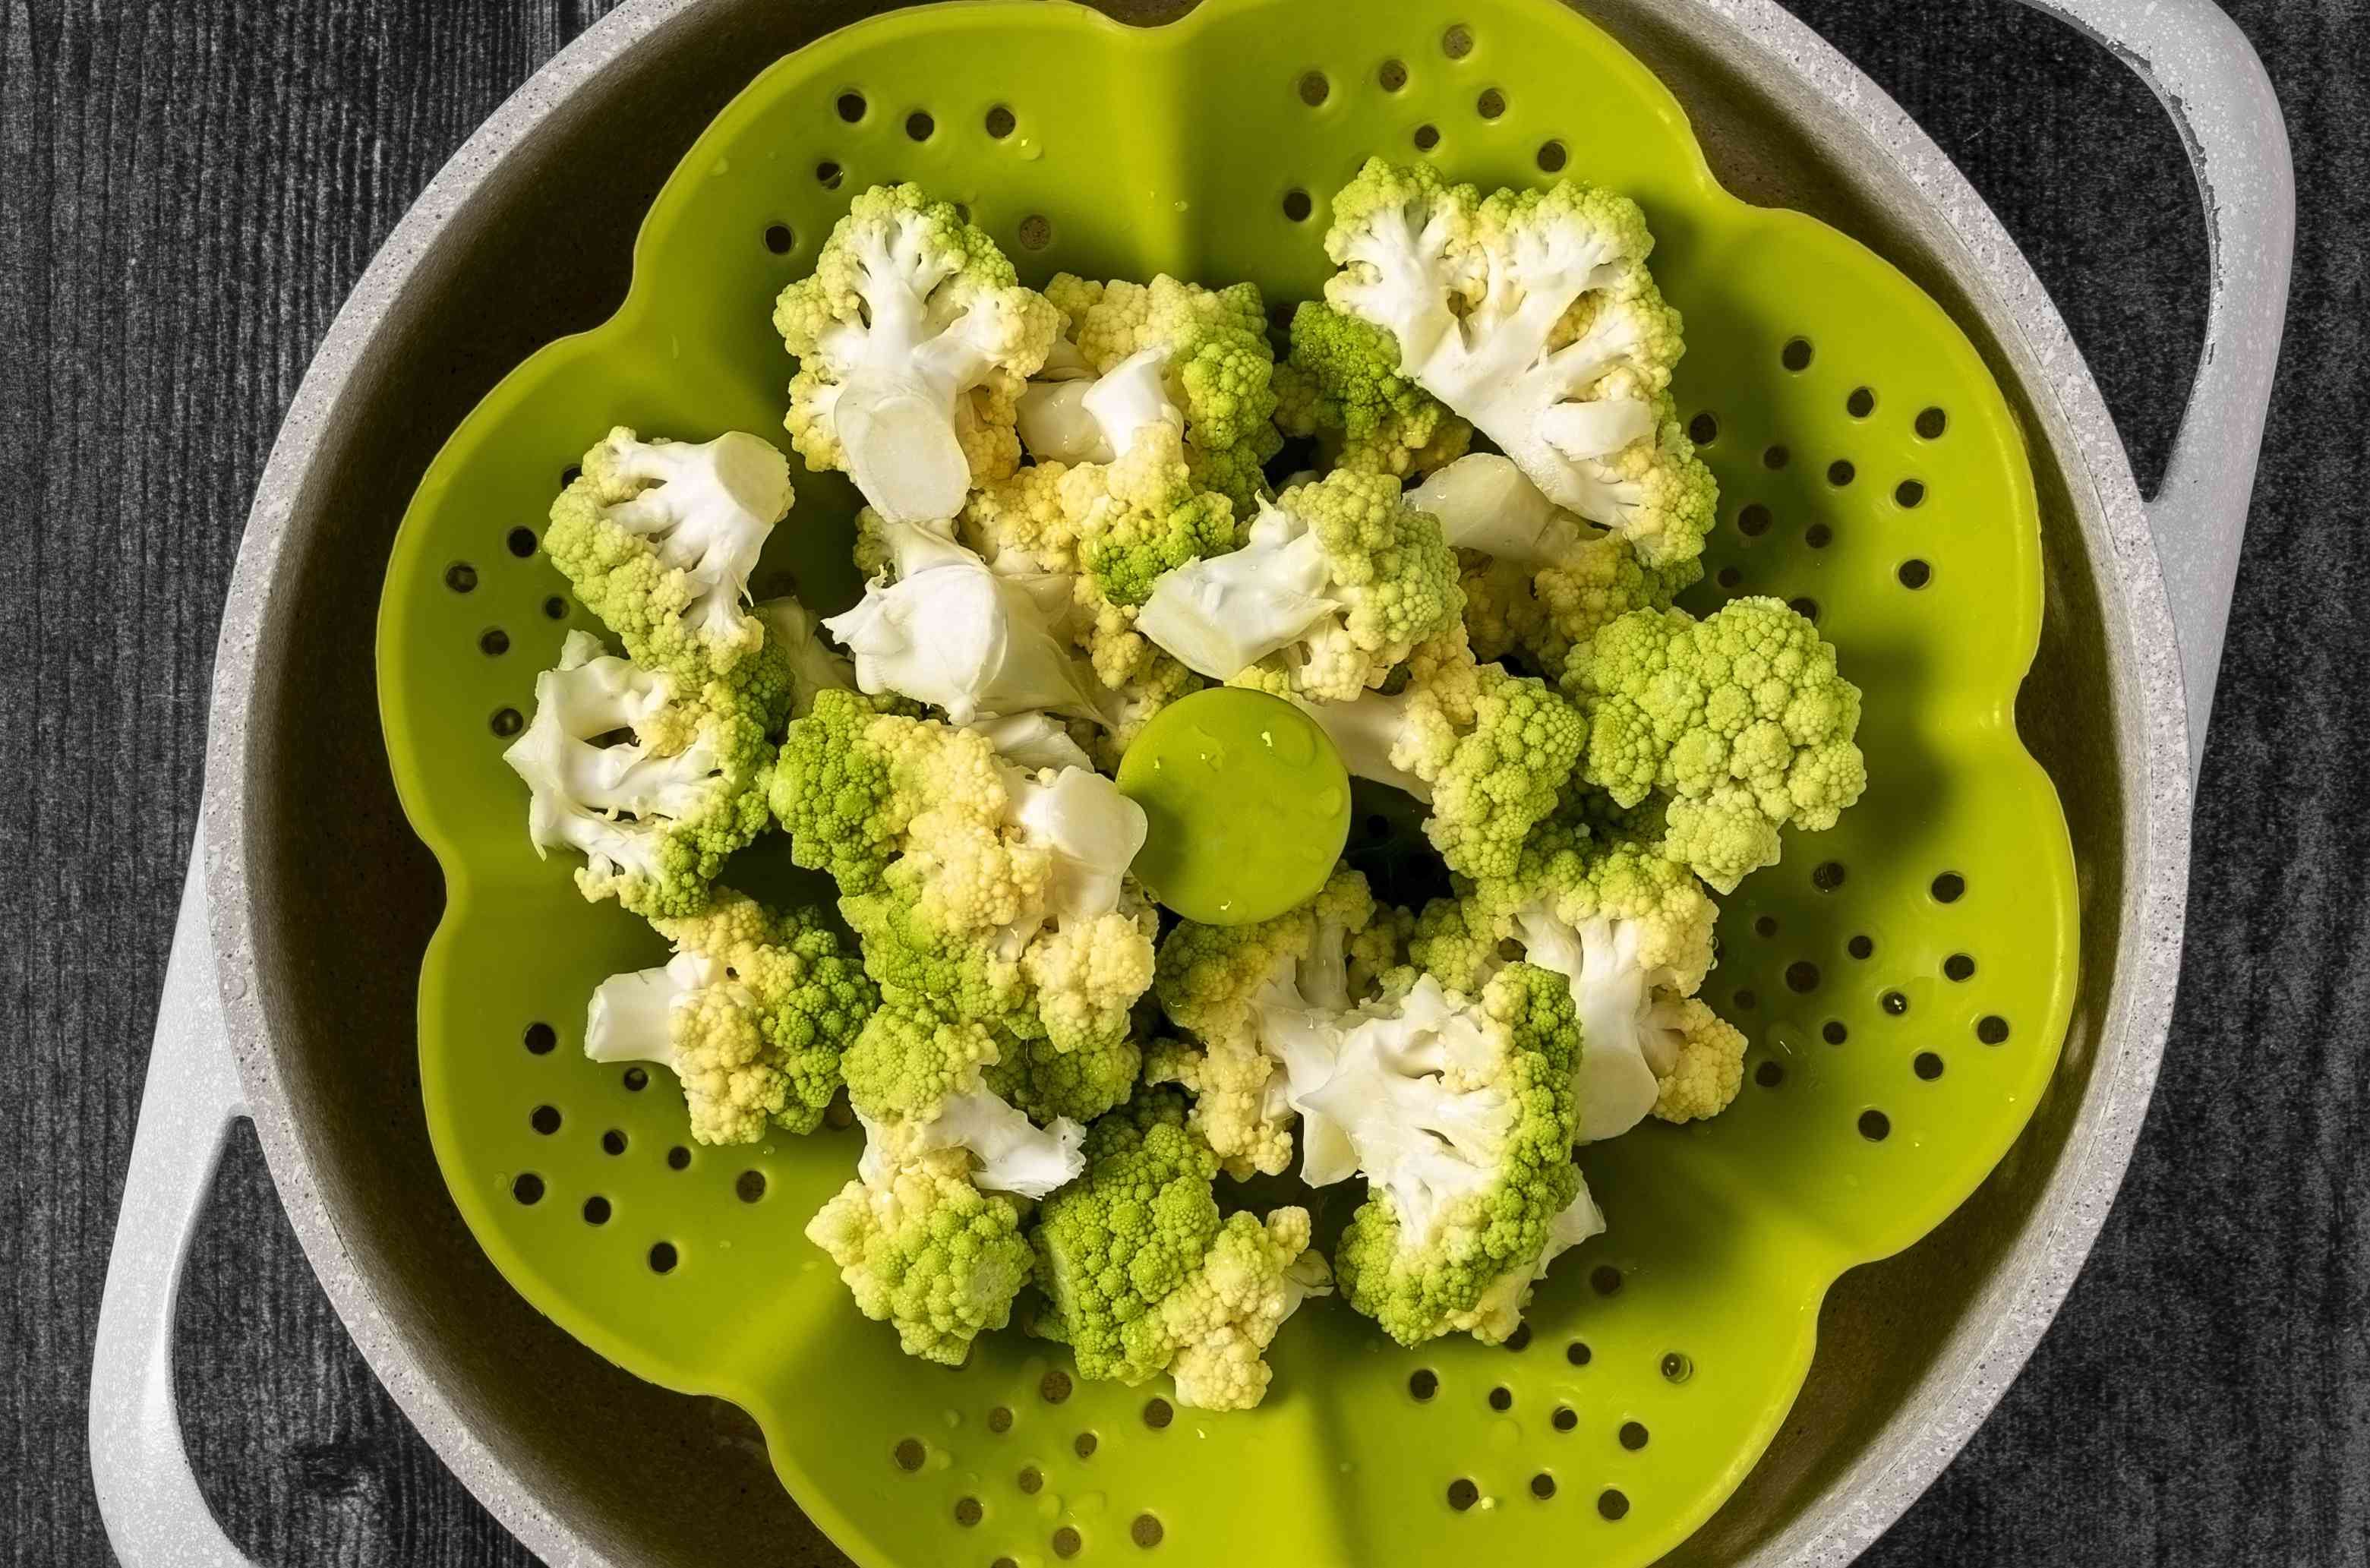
{"points": [[845, 783], [1080, 1083], [1233, 990], [1632, 934], [656, 817], [983, 890], [1341, 383], [752, 1015], [658, 538], [1109, 530], [1740, 721], [1532, 313], [1142, 1277], [917, 1081], [1460, 1113], [1539, 579], [1488, 751], [1697, 1058], [807, 662], [913, 340], [928, 1237], [1338, 582], [1210, 351], [924, 1249]]}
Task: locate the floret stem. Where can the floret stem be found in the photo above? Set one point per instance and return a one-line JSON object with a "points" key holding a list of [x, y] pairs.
{"points": [[627, 1020], [1364, 731]]}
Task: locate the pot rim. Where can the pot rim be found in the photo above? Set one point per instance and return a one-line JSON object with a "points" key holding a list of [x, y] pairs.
{"points": [[2003, 1324]]}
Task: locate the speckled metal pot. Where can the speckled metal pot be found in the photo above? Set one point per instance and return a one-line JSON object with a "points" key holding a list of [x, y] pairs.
{"points": [[274, 1007]]}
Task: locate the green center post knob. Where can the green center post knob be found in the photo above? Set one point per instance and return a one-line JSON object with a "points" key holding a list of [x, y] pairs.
{"points": [[1247, 802]]}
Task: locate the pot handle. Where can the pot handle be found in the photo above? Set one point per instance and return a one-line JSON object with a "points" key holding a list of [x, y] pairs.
{"points": [[2207, 75], [149, 1497]]}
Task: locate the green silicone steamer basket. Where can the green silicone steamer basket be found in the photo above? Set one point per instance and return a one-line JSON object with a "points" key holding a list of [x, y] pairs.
{"points": [[1905, 980]]}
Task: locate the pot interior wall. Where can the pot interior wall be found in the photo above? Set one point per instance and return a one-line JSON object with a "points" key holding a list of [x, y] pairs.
{"points": [[636, 1474]]}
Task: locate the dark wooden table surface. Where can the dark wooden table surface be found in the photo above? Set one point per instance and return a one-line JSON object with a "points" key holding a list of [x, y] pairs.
{"points": [[187, 191]]}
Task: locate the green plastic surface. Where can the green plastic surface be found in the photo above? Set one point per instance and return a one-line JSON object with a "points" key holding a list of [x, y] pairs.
{"points": [[1247, 804], [1905, 979]]}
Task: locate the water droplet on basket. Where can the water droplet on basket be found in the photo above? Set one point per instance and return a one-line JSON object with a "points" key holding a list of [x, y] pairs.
{"points": [[1092, 1503], [1505, 1434], [1031, 150], [723, 166], [1326, 800]]}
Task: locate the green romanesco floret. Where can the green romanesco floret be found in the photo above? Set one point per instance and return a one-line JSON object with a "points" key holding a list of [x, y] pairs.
{"points": [[848, 781], [928, 1237], [1142, 1277], [1214, 360], [925, 1250], [655, 816], [1632, 934], [913, 340], [658, 538], [1537, 579], [1081, 1083], [1119, 524], [917, 1080], [1460, 1112], [1740, 721], [1338, 582], [979, 889], [1532, 313], [1227, 986], [1149, 518], [1456, 943], [1489, 752], [1111, 531], [1341, 383], [752, 1015], [910, 1059]]}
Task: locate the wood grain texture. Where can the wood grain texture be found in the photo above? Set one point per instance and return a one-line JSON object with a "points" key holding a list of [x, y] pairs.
{"points": [[188, 190]]}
